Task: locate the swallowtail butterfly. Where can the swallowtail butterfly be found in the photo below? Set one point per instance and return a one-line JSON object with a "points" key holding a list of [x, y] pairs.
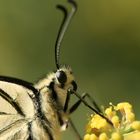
{"points": [[41, 111]]}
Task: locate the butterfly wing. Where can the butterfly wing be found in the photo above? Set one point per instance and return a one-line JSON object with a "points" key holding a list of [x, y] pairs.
{"points": [[16, 108]]}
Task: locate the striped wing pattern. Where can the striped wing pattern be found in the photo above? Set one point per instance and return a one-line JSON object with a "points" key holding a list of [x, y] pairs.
{"points": [[16, 110], [21, 112]]}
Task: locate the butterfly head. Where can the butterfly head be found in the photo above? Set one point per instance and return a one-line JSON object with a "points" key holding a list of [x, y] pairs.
{"points": [[64, 78]]}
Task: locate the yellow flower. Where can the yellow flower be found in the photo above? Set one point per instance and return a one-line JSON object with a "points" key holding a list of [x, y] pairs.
{"points": [[124, 106], [103, 136], [116, 136], [115, 121], [93, 137], [126, 109], [98, 122], [87, 137], [123, 125], [90, 137], [109, 112], [130, 116], [132, 136], [136, 125]]}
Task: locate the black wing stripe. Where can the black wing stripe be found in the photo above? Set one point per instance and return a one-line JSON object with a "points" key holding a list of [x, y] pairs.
{"points": [[17, 81], [11, 126], [5, 96], [36, 100], [4, 113]]}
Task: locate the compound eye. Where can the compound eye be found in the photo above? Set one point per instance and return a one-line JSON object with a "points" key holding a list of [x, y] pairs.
{"points": [[61, 76]]}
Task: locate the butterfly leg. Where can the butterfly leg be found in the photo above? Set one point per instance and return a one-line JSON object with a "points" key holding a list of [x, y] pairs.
{"points": [[95, 109], [75, 106]]}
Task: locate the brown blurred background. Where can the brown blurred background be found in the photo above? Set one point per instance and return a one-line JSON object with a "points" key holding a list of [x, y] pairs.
{"points": [[102, 45]]}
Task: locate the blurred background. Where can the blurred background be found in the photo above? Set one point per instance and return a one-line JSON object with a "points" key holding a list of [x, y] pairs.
{"points": [[102, 45]]}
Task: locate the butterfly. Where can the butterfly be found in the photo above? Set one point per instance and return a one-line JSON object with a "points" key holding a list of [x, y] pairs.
{"points": [[41, 111]]}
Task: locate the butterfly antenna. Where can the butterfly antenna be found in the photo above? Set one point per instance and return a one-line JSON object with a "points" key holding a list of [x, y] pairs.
{"points": [[63, 27]]}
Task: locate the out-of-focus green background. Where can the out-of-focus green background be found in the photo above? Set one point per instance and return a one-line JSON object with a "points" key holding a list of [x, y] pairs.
{"points": [[102, 45]]}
